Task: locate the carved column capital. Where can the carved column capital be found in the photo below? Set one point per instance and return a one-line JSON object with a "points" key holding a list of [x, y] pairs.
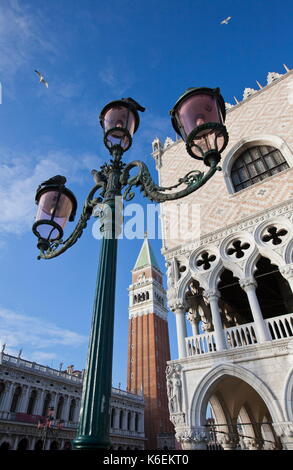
{"points": [[248, 283], [178, 419], [287, 271], [211, 294], [176, 304], [192, 317], [193, 435], [228, 441]]}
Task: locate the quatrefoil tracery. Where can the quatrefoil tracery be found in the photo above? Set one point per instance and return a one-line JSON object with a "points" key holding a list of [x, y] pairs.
{"points": [[275, 235], [206, 260], [238, 248]]}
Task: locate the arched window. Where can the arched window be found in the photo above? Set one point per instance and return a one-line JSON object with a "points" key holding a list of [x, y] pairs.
{"points": [[255, 164], [15, 399], [128, 420], [5, 446], [2, 389], [72, 410], [32, 402], [23, 444], [59, 408], [54, 445], [136, 422], [39, 445], [46, 405], [121, 419], [112, 417]]}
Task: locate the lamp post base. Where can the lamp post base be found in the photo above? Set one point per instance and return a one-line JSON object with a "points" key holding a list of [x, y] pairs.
{"points": [[90, 443]]}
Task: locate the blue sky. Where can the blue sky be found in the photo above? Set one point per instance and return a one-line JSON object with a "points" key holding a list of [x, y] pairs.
{"points": [[92, 52]]}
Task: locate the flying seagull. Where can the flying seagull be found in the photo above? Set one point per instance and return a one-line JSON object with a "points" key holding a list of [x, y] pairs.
{"points": [[42, 79], [226, 20]]}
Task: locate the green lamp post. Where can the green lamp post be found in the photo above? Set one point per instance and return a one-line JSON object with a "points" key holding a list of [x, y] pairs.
{"points": [[198, 116]]}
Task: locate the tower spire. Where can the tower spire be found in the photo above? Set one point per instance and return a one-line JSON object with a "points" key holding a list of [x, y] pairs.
{"points": [[146, 256]]}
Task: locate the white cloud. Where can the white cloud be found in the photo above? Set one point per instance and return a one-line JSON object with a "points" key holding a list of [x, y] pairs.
{"points": [[35, 334], [20, 178]]}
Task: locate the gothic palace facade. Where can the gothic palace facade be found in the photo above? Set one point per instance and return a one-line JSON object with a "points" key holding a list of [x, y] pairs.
{"points": [[230, 285]]}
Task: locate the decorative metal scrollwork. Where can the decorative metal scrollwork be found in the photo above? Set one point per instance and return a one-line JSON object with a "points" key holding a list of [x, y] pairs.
{"points": [[111, 179], [193, 180], [59, 246]]}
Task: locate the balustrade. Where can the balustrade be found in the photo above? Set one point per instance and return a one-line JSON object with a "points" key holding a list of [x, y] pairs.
{"points": [[280, 327]]}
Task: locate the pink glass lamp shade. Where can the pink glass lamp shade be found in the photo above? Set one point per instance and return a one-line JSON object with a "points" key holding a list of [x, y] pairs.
{"points": [[120, 121], [198, 117], [56, 205]]}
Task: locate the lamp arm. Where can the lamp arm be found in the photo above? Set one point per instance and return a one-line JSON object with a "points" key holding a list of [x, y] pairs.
{"points": [[193, 181], [58, 247]]}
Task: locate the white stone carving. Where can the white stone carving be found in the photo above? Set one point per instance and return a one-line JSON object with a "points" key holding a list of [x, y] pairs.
{"points": [[248, 92], [273, 76]]}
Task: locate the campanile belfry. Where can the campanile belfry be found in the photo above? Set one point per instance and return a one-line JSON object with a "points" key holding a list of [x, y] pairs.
{"points": [[148, 344]]}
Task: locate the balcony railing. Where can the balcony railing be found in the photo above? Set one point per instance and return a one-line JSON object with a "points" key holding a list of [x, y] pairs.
{"points": [[281, 327], [34, 419], [200, 344], [21, 363], [240, 336]]}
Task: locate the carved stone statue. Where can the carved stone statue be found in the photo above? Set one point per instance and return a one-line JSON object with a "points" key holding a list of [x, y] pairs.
{"points": [[174, 390]]}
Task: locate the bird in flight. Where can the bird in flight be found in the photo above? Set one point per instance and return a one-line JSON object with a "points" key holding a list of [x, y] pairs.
{"points": [[42, 79], [226, 20]]}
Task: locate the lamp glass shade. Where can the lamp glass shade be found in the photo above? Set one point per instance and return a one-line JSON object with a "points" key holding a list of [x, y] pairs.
{"points": [[56, 207], [116, 120], [200, 122], [198, 109]]}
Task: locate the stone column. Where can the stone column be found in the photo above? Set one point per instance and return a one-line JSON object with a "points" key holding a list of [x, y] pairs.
{"points": [[249, 286], [213, 295], [194, 323], [66, 406], [287, 273], [124, 420], [132, 421], [15, 444], [33, 443], [77, 411], [11, 394], [8, 393], [40, 402], [54, 403], [179, 311], [24, 399], [141, 423], [116, 418]]}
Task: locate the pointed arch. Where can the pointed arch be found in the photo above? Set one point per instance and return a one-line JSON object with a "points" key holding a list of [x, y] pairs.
{"points": [[288, 396], [183, 285], [202, 393]]}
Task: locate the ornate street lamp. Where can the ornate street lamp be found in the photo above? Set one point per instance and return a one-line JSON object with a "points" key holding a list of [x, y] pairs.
{"points": [[56, 205], [120, 120], [198, 116]]}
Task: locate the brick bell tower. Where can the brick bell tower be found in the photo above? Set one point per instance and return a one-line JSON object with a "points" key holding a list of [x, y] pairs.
{"points": [[148, 346]]}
